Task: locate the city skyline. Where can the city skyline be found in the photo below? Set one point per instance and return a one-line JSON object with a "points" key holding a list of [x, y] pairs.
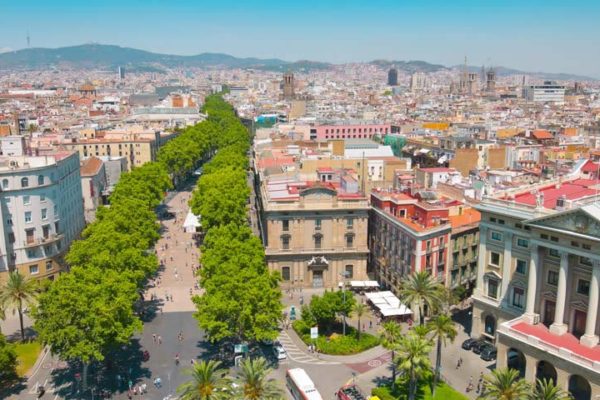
{"points": [[497, 33]]}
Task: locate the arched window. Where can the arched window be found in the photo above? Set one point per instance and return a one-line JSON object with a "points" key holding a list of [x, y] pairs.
{"points": [[4, 183], [40, 179], [24, 182]]}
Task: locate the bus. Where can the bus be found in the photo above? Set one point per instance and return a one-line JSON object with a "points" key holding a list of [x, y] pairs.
{"points": [[301, 386]]}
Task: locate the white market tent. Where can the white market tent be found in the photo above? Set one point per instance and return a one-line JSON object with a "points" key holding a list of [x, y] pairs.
{"points": [[364, 284], [388, 304], [191, 223]]}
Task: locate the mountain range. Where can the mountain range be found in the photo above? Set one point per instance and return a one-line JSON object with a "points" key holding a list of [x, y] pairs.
{"points": [[110, 56]]}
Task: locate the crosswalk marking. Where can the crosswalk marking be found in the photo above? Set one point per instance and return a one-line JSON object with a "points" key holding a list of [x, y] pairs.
{"points": [[295, 354]]}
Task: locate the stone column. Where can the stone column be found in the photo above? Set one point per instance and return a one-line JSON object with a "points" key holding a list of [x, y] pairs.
{"points": [[590, 339], [559, 327], [532, 279], [506, 266], [482, 260]]}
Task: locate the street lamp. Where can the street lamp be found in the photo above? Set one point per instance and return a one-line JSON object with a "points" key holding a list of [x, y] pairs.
{"points": [[344, 274]]}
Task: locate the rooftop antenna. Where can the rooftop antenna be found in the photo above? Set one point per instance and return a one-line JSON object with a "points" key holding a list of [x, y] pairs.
{"points": [[28, 39]]}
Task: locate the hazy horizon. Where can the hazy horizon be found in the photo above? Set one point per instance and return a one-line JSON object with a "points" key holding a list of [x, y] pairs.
{"points": [[548, 36]]}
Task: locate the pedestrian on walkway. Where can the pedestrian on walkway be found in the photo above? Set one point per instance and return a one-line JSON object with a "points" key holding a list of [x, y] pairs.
{"points": [[159, 338], [370, 324], [154, 338]]}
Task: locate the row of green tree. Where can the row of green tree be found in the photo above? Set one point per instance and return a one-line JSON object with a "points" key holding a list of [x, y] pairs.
{"points": [[91, 310], [242, 299]]}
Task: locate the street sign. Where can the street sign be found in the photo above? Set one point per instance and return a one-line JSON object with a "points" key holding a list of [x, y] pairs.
{"points": [[240, 348], [314, 332]]}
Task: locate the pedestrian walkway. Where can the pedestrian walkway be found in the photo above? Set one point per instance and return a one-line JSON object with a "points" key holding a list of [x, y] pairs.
{"points": [[299, 355], [179, 255]]}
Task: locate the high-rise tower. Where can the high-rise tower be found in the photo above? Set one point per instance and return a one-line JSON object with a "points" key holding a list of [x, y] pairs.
{"points": [[392, 77]]}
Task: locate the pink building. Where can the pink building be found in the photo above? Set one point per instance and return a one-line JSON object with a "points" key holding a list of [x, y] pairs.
{"points": [[348, 131]]}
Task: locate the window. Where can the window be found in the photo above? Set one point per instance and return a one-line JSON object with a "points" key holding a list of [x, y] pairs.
{"points": [[44, 213], [55, 211], [521, 242], [519, 225], [586, 246], [42, 198], [492, 219], [349, 223], [521, 267], [11, 237], [40, 179], [349, 270], [318, 241], [285, 273], [544, 236], [553, 278], [493, 288], [33, 269], [318, 224], [495, 258], [442, 241], [31, 253], [553, 253], [501, 221], [285, 242], [26, 200], [24, 182], [27, 217], [349, 240], [583, 287], [518, 297], [4, 183], [585, 261], [496, 236], [554, 239], [286, 225]]}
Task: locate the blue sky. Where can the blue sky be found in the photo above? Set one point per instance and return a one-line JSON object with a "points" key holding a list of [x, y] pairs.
{"points": [[550, 35]]}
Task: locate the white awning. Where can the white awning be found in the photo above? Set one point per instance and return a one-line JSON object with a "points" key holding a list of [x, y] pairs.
{"points": [[361, 284], [388, 304]]}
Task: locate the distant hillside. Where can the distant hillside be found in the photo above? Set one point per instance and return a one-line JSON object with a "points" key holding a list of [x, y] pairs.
{"points": [[109, 56]]}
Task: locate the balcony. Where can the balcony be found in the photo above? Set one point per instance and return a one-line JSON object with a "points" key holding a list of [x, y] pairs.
{"points": [[34, 242], [565, 347]]}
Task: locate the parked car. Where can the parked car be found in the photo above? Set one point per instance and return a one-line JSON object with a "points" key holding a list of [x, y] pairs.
{"points": [[480, 345], [489, 353], [279, 352], [468, 344]]}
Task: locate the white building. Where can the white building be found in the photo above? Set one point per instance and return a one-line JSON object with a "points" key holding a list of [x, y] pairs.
{"points": [[548, 92], [41, 210]]}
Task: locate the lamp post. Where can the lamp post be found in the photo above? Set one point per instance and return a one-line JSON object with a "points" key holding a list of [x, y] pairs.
{"points": [[343, 275]]}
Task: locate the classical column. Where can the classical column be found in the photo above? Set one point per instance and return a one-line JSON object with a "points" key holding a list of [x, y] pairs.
{"points": [[532, 279], [559, 327], [590, 339], [481, 260], [506, 265]]}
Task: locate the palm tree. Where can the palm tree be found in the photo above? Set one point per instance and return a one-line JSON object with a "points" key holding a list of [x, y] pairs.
{"points": [[208, 382], [390, 335], [442, 328], [17, 293], [253, 381], [359, 310], [2, 314], [422, 290], [413, 360], [505, 384], [545, 389]]}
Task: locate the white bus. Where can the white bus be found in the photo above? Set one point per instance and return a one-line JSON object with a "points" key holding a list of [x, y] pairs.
{"points": [[301, 386]]}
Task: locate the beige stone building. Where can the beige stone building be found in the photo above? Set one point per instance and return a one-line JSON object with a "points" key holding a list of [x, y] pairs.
{"points": [[315, 232], [538, 285]]}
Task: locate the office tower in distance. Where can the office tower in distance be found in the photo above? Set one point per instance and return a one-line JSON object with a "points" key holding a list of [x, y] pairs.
{"points": [[121, 73], [392, 77]]}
